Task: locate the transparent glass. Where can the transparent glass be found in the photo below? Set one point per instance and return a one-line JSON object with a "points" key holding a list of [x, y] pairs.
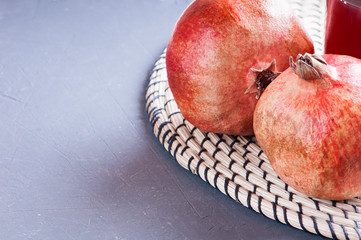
{"points": [[343, 27]]}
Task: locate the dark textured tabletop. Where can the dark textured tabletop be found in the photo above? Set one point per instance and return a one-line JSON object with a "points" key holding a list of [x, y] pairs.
{"points": [[78, 158]]}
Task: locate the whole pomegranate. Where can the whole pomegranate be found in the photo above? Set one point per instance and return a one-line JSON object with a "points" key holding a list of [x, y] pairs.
{"points": [[211, 53], [308, 122]]}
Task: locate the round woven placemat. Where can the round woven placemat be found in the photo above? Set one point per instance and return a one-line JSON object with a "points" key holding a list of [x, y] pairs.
{"points": [[237, 166]]}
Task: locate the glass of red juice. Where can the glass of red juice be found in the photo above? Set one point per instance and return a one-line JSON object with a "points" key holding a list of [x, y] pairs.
{"points": [[343, 27]]}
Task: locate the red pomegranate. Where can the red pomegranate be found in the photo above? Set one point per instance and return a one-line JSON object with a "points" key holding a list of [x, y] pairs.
{"points": [[308, 122], [212, 50]]}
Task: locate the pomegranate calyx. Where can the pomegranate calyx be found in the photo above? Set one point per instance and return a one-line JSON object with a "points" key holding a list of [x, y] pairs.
{"points": [[262, 78], [308, 66]]}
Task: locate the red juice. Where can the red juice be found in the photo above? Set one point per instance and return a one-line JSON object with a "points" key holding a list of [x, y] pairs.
{"points": [[343, 27]]}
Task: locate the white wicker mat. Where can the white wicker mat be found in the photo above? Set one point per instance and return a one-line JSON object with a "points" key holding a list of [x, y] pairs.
{"points": [[238, 167]]}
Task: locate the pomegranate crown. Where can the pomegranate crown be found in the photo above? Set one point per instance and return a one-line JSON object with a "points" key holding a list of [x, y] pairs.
{"points": [[308, 66], [262, 78]]}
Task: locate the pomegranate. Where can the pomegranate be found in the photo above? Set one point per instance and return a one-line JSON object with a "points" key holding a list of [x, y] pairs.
{"points": [[212, 50], [308, 122]]}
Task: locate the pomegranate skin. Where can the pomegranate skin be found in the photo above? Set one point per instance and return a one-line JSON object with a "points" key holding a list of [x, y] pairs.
{"points": [[310, 130], [214, 45]]}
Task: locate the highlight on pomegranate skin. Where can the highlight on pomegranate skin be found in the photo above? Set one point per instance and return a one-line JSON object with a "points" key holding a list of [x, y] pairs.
{"points": [[212, 50], [308, 122]]}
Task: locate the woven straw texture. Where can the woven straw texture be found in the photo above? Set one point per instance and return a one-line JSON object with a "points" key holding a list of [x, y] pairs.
{"points": [[237, 166]]}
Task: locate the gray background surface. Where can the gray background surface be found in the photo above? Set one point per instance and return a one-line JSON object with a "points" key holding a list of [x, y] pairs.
{"points": [[78, 158]]}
